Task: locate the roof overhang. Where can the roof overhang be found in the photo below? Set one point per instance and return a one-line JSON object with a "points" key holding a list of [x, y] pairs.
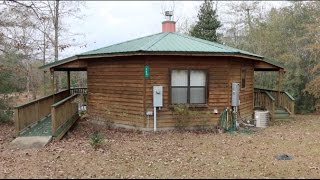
{"points": [[58, 63], [262, 64]]}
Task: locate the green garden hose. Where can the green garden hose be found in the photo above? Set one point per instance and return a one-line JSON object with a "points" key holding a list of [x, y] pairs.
{"points": [[230, 125]]}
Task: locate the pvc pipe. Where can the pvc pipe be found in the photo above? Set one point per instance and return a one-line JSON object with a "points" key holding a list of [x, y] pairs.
{"points": [[154, 119]]}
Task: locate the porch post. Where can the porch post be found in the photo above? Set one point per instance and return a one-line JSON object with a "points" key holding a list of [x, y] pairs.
{"points": [[280, 78], [44, 83], [52, 84], [68, 73], [52, 81]]}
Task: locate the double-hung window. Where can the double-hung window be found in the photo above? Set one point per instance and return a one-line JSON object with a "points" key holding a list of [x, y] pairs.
{"points": [[188, 87]]}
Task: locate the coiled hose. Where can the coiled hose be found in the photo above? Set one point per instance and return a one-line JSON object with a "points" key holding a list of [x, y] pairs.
{"points": [[228, 124]]}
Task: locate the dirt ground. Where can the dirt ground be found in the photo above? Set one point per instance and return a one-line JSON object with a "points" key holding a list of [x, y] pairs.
{"points": [[133, 154]]}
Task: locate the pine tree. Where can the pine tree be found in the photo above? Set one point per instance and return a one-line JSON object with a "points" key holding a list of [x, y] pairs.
{"points": [[207, 23]]}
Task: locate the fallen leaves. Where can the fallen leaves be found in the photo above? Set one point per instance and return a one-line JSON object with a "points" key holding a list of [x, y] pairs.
{"points": [[131, 154]]}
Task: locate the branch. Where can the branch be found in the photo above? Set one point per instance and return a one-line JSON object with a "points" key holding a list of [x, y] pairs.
{"points": [[31, 6]]}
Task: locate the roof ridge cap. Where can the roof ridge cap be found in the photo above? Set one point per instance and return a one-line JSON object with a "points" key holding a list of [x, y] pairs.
{"points": [[222, 46], [155, 42], [199, 40], [118, 43]]}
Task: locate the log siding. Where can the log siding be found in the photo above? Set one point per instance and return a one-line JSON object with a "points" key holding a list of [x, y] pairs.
{"points": [[118, 91]]}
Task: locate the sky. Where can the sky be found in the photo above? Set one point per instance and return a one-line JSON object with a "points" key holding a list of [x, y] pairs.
{"points": [[110, 22]]}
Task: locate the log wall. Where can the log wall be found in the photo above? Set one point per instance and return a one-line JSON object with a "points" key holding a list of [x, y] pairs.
{"points": [[118, 91]]}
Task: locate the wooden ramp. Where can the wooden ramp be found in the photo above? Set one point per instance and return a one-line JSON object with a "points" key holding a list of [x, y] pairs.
{"points": [[40, 134], [36, 136], [41, 128], [44, 128], [28, 142], [48, 118]]}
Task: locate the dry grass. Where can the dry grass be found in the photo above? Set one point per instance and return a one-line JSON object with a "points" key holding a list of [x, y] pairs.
{"points": [[132, 154]]}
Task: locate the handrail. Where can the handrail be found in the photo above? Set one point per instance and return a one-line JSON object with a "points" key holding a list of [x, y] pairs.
{"points": [[63, 114], [266, 89], [63, 101], [284, 99], [289, 95], [37, 100], [78, 88], [269, 95], [285, 92], [29, 113]]}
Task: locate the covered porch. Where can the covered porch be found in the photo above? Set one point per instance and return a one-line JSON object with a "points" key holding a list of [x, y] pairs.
{"points": [[278, 102]]}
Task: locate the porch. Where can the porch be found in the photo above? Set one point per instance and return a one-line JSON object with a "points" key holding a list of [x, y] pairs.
{"points": [[280, 104]]}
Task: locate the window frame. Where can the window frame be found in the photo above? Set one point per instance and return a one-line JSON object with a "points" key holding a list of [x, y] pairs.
{"points": [[243, 76], [206, 87]]}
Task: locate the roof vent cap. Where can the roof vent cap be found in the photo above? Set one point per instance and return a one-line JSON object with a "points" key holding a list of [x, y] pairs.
{"points": [[169, 15]]}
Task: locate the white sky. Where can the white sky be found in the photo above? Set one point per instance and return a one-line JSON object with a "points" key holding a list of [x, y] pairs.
{"points": [[109, 22]]}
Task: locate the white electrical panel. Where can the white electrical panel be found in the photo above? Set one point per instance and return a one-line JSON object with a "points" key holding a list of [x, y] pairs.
{"points": [[235, 99], [157, 96]]}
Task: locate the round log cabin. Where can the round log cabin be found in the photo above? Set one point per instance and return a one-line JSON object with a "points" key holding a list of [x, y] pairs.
{"points": [[192, 72]]}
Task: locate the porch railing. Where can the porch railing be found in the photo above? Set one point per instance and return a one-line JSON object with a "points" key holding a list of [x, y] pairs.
{"points": [[271, 99], [287, 102], [78, 91], [63, 114], [83, 96], [32, 112], [27, 114], [264, 99]]}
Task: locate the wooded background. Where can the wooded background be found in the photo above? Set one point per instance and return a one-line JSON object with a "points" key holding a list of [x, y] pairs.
{"points": [[32, 33]]}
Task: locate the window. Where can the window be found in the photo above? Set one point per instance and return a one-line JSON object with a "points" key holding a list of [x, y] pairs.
{"points": [[243, 77], [188, 87]]}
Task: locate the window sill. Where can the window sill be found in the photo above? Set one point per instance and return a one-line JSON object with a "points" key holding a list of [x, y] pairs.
{"points": [[192, 106]]}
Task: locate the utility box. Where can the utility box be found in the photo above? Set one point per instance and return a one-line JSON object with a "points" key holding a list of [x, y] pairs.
{"points": [[235, 99], [157, 96]]}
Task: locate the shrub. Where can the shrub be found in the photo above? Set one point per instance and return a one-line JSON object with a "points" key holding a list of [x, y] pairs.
{"points": [[181, 115], [96, 140], [82, 113], [6, 114]]}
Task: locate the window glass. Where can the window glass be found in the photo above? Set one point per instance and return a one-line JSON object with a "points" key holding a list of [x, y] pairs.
{"points": [[197, 78], [197, 95], [188, 87], [179, 78], [179, 95]]}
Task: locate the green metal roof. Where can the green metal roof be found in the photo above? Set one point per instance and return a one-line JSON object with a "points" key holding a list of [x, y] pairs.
{"points": [[69, 59], [273, 62], [164, 42], [167, 42]]}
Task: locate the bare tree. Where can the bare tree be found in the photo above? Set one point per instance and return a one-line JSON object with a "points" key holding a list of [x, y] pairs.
{"points": [[35, 21]]}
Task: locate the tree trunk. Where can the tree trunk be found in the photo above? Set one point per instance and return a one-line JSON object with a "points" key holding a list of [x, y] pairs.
{"points": [[56, 43], [44, 63]]}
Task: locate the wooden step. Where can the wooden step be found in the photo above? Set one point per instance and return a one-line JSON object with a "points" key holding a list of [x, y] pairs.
{"points": [[280, 112], [281, 117], [285, 119]]}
